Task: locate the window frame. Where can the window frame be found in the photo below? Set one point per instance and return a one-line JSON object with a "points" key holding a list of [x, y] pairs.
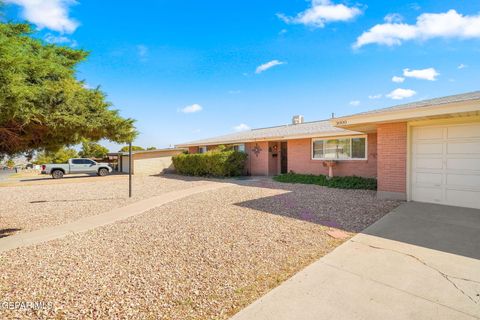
{"points": [[238, 145], [200, 148], [339, 137], [90, 162]]}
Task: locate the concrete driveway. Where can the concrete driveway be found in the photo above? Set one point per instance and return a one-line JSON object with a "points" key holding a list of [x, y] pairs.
{"points": [[421, 261]]}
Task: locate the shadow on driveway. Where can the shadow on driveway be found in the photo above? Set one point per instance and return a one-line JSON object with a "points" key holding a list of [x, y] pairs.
{"points": [[449, 229]]}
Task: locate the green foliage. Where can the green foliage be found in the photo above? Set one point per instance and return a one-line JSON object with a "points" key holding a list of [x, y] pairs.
{"points": [[60, 156], [152, 148], [93, 150], [42, 104], [212, 163], [134, 148], [352, 182], [10, 163]]}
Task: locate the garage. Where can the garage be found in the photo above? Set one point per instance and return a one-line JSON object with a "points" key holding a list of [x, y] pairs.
{"points": [[445, 164], [147, 162]]}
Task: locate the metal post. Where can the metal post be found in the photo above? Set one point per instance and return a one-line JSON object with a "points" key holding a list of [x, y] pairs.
{"points": [[130, 164]]}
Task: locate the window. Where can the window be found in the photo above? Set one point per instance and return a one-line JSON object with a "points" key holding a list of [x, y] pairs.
{"points": [[77, 161], [202, 149], [340, 148], [89, 162], [239, 147]]}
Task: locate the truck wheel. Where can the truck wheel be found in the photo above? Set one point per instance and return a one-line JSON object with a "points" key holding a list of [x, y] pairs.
{"points": [[103, 172], [57, 174]]}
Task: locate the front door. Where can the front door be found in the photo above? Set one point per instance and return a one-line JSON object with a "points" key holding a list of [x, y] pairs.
{"points": [[284, 159]]}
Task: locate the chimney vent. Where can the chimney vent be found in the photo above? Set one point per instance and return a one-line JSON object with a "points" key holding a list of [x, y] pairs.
{"points": [[297, 119]]}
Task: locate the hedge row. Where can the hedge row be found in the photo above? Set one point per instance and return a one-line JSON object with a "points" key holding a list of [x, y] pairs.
{"points": [[212, 163], [352, 182]]}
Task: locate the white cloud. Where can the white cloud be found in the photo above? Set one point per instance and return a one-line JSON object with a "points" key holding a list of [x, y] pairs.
{"points": [[241, 127], [192, 108], [461, 66], [50, 14], [424, 74], [399, 94], [398, 79], [375, 96], [393, 18], [322, 12], [268, 65], [354, 103], [450, 24], [51, 38]]}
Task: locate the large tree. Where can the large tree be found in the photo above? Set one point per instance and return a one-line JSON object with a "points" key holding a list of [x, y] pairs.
{"points": [[60, 156], [93, 150], [43, 106]]}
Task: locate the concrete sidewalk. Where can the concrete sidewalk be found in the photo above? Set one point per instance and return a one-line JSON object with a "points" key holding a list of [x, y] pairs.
{"points": [[87, 223], [421, 261]]}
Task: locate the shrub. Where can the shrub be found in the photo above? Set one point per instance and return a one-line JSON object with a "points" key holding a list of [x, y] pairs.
{"points": [[352, 182], [215, 163]]}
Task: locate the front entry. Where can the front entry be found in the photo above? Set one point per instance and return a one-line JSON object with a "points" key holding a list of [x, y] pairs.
{"points": [[284, 159]]}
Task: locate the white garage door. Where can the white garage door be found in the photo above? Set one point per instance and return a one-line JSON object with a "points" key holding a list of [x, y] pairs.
{"points": [[446, 165]]}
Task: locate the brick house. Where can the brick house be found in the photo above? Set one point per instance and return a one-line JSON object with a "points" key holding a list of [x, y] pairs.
{"points": [[423, 151]]}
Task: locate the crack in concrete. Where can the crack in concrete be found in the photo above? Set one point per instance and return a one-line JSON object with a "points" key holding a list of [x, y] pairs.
{"points": [[444, 275]]}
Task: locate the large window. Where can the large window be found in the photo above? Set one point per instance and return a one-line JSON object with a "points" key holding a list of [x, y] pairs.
{"points": [[202, 149], [339, 149]]}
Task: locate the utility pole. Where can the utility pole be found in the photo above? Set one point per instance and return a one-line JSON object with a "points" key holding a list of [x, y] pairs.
{"points": [[130, 165]]}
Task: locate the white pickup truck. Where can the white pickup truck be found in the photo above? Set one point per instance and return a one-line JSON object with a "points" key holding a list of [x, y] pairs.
{"points": [[76, 166]]}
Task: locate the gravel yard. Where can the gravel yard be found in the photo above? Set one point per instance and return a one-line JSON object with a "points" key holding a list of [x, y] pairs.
{"points": [[203, 257], [53, 202]]}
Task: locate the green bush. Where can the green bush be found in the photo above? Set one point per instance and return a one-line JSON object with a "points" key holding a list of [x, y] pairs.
{"points": [[353, 182], [215, 163]]}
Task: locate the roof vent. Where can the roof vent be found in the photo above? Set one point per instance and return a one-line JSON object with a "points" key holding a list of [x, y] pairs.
{"points": [[297, 119]]}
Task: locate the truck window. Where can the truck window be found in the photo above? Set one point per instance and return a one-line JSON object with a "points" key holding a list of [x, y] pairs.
{"points": [[89, 162], [77, 161]]}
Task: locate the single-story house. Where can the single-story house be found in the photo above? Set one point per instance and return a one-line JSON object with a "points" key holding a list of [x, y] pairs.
{"points": [[425, 151], [146, 161]]}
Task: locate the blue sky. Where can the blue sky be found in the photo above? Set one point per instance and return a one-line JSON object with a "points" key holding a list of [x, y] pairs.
{"points": [[235, 65]]}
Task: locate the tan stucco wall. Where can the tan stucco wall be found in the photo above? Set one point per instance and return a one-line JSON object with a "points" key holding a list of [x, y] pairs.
{"points": [[153, 162]]}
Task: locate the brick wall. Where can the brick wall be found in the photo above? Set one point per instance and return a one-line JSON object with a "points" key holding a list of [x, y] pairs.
{"points": [[300, 160], [257, 165], [392, 157]]}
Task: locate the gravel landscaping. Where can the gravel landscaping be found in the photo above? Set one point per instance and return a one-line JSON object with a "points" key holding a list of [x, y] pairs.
{"points": [[51, 202], [203, 257]]}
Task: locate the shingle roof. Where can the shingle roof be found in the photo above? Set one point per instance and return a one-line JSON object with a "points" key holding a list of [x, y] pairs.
{"points": [[321, 128], [425, 103], [280, 132]]}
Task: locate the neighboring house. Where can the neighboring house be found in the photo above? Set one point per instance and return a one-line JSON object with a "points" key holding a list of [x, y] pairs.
{"points": [[146, 161], [424, 151]]}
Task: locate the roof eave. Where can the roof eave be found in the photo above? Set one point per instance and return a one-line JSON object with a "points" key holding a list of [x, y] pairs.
{"points": [[388, 116], [278, 138]]}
